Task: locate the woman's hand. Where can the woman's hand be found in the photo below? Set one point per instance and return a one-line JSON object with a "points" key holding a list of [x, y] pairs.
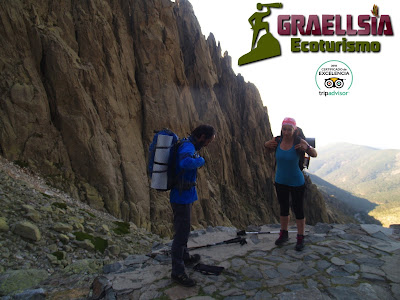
{"points": [[304, 146], [271, 144]]}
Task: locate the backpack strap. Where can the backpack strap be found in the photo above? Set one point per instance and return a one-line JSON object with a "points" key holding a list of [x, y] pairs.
{"points": [[185, 185], [296, 142], [300, 153], [177, 180]]}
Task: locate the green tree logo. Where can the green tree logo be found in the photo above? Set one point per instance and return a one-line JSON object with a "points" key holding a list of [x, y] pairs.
{"points": [[267, 46]]}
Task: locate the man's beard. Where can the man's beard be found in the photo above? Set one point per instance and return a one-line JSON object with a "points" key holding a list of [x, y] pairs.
{"points": [[198, 145]]}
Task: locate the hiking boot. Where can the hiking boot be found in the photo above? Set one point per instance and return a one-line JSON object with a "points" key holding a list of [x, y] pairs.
{"points": [[192, 259], [283, 237], [183, 279], [300, 242]]}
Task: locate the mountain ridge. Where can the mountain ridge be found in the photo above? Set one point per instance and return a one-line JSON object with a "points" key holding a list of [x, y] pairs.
{"points": [[346, 206], [365, 172]]}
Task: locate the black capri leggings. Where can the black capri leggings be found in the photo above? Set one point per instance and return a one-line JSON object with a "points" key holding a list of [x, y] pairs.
{"points": [[283, 192]]}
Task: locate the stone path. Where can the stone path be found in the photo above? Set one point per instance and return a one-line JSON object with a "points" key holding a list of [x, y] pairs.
{"points": [[339, 262]]}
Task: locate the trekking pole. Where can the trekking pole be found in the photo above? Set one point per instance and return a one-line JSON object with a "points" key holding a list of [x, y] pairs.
{"points": [[167, 252], [160, 252], [243, 232], [239, 240]]}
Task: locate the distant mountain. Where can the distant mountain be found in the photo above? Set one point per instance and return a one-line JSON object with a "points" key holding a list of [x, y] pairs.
{"points": [[367, 173], [344, 205]]}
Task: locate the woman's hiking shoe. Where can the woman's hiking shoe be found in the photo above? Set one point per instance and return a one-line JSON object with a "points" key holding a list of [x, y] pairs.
{"points": [[283, 237], [192, 259], [183, 279], [300, 242]]}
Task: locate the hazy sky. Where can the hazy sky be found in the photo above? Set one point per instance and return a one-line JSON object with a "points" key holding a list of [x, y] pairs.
{"points": [[368, 115]]}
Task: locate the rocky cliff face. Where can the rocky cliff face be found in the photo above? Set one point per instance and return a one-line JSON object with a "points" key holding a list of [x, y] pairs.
{"points": [[85, 83]]}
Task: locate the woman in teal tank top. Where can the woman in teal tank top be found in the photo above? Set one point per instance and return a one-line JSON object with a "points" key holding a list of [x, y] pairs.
{"points": [[289, 179]]}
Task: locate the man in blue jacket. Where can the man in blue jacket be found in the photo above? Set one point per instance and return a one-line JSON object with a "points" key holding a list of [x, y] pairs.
{"points": [[182, 196]]}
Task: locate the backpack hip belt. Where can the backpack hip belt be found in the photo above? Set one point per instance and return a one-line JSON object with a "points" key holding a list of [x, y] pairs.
{"points": [[185, 185]]}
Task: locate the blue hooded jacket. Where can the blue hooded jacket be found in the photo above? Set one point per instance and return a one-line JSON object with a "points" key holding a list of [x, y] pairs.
{"points": [[188, 160]]}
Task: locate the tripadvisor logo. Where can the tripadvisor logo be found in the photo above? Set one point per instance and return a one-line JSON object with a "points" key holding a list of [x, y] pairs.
{"points": [[326, 25], [334, 78]]}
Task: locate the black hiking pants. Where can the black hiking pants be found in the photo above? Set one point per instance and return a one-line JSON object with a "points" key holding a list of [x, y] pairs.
{"points": [[284, 192], [179, 252]]}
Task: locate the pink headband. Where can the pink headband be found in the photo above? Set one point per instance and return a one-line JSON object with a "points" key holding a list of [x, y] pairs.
{"points": [[289, 121]]}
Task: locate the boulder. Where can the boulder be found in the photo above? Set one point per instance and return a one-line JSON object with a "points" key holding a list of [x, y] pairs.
{"points": [[89, 266], [85, 244], [62, 227], [18, 280], [3, 225], [27, 230], [34, 216]]}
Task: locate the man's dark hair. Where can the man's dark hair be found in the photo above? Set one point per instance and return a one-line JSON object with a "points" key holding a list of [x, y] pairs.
{"points": [[207, 130]]}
